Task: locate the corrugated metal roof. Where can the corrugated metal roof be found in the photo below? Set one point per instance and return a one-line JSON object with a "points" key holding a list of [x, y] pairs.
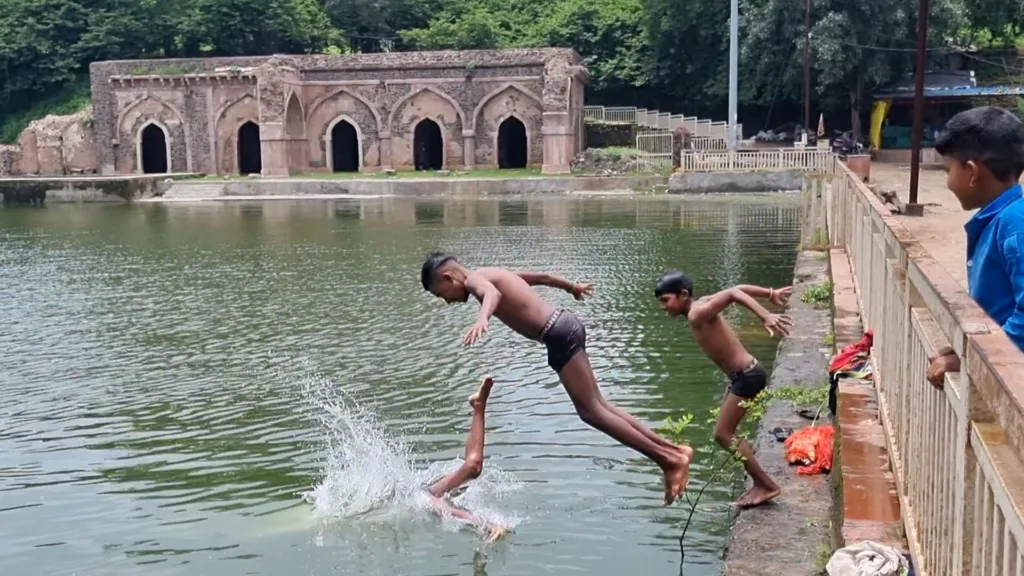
{"points": [[953, 92]]}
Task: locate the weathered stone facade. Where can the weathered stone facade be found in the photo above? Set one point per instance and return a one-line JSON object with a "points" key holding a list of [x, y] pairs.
{"points": [[54, 145], [368, 112]]}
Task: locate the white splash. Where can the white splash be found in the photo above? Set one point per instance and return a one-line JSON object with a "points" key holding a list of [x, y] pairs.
{"points": [[369, 473]]}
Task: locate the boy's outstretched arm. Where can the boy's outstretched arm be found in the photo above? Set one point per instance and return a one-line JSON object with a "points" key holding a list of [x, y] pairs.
{"points": [[716, 304], [777, 296], [489, 297], [544, 279]]}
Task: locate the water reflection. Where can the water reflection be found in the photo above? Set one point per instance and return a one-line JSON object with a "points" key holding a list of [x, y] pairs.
{"points": [[152, 390]]}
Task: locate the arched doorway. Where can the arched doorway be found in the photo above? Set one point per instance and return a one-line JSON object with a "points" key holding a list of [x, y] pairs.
{"points": [[250, 157], [512, 147], [153, 150], [344, 147], [428, 146]]}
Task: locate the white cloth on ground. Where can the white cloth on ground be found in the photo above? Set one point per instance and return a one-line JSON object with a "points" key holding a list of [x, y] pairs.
{"points": [[867, 559]]}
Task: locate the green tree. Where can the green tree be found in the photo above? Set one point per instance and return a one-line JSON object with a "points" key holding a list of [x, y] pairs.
{"points": [[855, 46]]}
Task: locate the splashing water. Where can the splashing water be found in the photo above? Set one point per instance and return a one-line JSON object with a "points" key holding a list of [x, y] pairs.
{"points": [[367, 472]]}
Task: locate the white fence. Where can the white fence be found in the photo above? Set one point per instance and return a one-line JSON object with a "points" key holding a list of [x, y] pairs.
{"points": [[708, 143], [658, 120], [656, 147], [956, 452], [809, 160]]}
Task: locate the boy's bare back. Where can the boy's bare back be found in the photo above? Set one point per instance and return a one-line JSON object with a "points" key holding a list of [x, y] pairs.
{"points": [[521, 308]]}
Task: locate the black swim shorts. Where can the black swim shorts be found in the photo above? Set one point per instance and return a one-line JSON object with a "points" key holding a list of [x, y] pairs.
{"points": [[749, 382], [564, 336]]}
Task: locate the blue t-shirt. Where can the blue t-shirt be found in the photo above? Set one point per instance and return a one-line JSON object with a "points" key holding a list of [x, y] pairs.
{"points": [[995, 261]]}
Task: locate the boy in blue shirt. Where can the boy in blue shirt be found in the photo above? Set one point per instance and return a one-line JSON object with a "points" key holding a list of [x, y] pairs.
{"points": [[983, 154]]}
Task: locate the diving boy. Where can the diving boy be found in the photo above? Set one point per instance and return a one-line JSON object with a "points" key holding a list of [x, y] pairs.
{"points": [[717, 339], [472, 467], [510, 297]]}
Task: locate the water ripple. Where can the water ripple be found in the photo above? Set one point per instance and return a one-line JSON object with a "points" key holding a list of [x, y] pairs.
{"points": [[154, 402]]}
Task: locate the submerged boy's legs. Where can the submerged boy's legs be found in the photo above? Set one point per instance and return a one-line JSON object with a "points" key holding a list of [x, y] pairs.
{"points": [[729, 419], [473, 462], [580, 383]]}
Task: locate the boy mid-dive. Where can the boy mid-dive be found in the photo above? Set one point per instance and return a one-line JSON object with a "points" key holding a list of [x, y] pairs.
{"points": [[718, 340], [510, 297], [472, 467]]}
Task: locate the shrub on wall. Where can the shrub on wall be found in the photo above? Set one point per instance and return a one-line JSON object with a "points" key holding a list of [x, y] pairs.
{"points": [[603, 135]]}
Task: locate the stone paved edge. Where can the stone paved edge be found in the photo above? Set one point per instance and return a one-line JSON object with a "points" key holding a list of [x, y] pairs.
{"points": [[792, 535]]}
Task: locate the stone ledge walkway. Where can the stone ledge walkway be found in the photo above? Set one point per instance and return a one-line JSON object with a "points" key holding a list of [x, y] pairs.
{"points": [[792, 535]]}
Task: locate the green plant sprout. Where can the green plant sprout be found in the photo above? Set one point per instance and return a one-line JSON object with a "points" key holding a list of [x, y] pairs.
{"points": [[818, 295]]}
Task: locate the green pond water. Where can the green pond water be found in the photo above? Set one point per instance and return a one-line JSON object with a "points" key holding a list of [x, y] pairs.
{"points": [[174, 377]]}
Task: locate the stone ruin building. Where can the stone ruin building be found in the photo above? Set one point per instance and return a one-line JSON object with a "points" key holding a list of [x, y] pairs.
{"points": [[280, 115]]}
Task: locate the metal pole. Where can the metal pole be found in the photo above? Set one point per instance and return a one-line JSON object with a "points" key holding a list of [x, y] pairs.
{"points": [[807, 65], [915, 143], [734, 65]]}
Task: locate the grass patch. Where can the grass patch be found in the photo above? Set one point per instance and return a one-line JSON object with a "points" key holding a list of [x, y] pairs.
{"points": [[818, 295], [829, 339], [69, 100], [168, 70]]}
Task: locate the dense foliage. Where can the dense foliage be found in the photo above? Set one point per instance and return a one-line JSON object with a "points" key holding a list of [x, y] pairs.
{"points": [[668, 54]]}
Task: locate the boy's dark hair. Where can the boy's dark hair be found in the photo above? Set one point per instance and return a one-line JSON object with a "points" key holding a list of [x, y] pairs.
{"points": [[433, 263], [990, 136], [673, 282]]}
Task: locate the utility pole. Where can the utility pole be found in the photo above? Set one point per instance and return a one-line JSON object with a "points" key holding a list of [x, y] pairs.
{"points": [[915, 143], [807, 64], [734, 65]]}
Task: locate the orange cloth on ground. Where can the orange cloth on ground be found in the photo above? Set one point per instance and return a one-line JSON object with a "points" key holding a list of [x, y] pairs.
{"points": [[812, 447]]}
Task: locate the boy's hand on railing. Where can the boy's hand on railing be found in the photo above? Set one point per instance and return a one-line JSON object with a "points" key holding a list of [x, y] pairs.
{"points": [[939, 365]]}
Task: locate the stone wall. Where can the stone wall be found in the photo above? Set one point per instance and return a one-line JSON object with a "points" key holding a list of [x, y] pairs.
{"points": [[297, 100], [54, 145], [602, 135]]}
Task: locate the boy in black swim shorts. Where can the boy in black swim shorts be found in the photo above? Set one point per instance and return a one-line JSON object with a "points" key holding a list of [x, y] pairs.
{"points": [[509, 296], [717, 339]]}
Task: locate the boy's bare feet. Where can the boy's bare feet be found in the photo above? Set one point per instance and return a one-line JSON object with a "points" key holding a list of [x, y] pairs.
{"points": [[758, 495], [482, 393], [677, 474], [494, 533]]}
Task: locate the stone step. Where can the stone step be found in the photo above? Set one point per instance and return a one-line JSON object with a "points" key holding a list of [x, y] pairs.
{"points": [[194, 191]]}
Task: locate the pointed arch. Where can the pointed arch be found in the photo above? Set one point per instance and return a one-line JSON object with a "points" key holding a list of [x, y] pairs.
{"points": [[140, 149], [294, 117], [494, 94], [142, 99], [330, 147], [502, 136], [438, 93], [355, 95], [237, 101]]}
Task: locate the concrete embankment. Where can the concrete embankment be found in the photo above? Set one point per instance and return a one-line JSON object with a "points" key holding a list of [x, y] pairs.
{"points": [[740, 182], [311, 187], [77, 189], [162, 187], [790, 536]]}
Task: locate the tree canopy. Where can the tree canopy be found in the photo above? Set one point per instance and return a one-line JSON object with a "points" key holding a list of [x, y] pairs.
{"points": [[666, 54]]}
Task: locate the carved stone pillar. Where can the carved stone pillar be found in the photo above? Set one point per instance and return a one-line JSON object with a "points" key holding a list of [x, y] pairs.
{"points": [[469, 149]]}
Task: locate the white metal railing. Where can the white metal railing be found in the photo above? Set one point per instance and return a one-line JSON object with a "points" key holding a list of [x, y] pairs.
{"points": [[658, 120], [765, 160], [656, 147], [708, 143], [956, 452]]}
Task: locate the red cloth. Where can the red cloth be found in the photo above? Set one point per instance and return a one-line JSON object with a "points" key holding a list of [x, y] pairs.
{"points": [[811, 446], [851, 352]]}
